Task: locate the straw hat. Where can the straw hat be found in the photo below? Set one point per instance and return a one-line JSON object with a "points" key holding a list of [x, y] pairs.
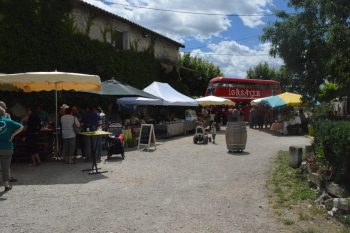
{"points": [[64, 106]]}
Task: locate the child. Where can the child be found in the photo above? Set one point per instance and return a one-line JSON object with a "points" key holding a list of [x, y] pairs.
{"points": [[213, 131]]}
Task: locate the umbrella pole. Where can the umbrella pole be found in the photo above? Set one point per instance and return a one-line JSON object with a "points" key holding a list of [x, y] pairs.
{"points": [[56, 121]]}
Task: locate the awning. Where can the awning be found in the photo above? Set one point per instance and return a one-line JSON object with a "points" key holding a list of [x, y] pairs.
{"points": [[169, 95], [213, 100], [113, 87]]}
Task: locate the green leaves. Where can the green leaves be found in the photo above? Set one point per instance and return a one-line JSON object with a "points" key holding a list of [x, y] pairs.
{"points": [[314, 43], [332, 140], [196, 72], [328, 92]]}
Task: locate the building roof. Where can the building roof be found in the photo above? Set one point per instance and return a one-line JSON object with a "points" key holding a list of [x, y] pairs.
{"points": [[130, 22]]}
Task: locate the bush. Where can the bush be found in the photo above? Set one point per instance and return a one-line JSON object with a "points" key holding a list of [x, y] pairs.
{"points": [[332, 148]]}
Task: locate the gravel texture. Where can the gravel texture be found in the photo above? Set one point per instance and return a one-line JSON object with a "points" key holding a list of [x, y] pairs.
{"points": [[179, 187]]}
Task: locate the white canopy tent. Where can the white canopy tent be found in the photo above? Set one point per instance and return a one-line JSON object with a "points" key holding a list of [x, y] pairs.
{"points": [[168, 97], [139, 101], [213, 100]]}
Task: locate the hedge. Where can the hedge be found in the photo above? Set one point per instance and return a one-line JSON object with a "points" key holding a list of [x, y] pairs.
{"points": [[332, 148]]}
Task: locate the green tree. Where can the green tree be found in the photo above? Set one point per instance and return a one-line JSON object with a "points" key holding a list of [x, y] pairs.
{"points": [[314, 43], [287, 80], [261, 71], [264, 71], [196, 73], [328, 92]]}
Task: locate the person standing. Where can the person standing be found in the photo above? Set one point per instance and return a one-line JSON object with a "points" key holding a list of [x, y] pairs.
{"points": [[78, 139], [68, 135], [211, 117], [8, 116], [235, 114], [102, 126], [32, 135], [91, 123], [205, 115], [252, 117], [44, 117], [8, 130], [213, 131]]}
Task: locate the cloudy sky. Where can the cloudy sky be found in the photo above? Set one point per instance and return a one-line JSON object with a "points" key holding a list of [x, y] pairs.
{"points": [[227, 34]]}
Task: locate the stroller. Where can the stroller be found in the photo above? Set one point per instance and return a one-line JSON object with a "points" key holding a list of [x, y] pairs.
{"points": [[201, 137], [115, 141]]}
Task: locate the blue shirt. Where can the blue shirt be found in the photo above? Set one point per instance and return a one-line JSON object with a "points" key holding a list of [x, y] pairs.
{"points": [[7, 128], [44, 118], [91, 121]]}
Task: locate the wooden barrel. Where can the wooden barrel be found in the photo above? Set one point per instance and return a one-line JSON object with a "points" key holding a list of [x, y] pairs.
{"points": [[236, 136]]}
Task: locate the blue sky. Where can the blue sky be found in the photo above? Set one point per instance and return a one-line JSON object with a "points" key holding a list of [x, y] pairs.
{"points": [[232, 43]]}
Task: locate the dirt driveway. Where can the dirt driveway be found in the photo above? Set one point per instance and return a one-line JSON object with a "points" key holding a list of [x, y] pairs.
{"points": [[180, 187]]}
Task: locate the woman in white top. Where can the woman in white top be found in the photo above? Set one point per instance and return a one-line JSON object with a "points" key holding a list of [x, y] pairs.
{"points": [[69, 135]]}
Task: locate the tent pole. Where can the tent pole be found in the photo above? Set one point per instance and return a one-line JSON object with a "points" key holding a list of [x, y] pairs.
{"points": [[56, 121]]}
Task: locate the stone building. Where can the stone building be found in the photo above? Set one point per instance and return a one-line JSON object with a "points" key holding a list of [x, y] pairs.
{"points": [[124, 34]]}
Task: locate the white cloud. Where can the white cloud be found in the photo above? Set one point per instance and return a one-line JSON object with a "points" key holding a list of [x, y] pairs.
{"points": [[181, 26], [235, 59], [185, 27]]}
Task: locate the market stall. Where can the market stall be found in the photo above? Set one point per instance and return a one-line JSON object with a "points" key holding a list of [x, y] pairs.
{"points": [[167, 124], [171, 97], [286, 121], [49, 81]]}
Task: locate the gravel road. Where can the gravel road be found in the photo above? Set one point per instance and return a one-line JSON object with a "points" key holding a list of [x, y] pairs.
{"points": [[180, 187]]}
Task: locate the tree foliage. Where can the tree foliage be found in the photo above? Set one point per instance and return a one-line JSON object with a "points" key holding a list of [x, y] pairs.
{"points": [[196, 73], [264, 71], [328, 92], [314, 42], [39, 35]]}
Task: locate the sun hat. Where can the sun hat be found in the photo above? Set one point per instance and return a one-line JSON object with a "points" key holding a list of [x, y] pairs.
{"points": [[64, 106]]}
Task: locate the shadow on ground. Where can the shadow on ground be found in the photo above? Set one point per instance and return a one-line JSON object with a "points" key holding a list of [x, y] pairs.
{"points": [[53, 172], [114, 159], [1, 198], [277, 134], [243, 153]]}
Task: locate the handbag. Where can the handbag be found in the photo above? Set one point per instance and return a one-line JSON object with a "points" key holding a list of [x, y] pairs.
{"points": [[77, 129]]}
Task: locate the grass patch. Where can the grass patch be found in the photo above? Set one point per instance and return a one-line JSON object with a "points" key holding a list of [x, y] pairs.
{"points": [[345, 219], [288, 222], [304, 217], [317, 210], [308, 231], [288, 185], [293, 202]]}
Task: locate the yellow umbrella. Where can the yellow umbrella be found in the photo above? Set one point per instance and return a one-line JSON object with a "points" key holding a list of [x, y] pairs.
{"points": [[50, 81], [291, 99], [213, 100]]}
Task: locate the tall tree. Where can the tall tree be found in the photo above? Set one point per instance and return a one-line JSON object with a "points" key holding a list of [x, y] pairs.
{"points": [[314, 42], [287, 80], [196, 73], [261, 71]]}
